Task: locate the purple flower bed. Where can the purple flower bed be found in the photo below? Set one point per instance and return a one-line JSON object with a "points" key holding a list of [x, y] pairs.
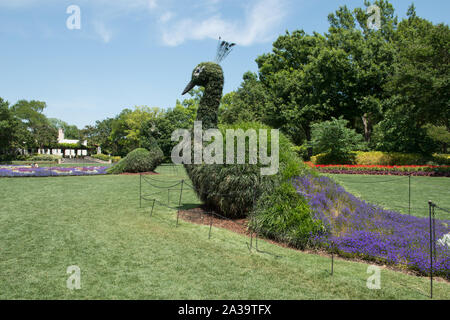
{"points": [[27, 171], [357, 228]]}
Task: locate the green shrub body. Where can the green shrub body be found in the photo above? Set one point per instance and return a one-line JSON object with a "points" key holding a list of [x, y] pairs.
{"points": [[138, 160], [232, 189], [285, 216]]}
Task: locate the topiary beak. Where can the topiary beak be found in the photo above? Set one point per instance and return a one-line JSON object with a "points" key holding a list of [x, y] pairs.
{"points": [[188, 87]]}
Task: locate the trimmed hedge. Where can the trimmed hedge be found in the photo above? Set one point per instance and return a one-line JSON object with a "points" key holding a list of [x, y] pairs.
{"points": [[382, 159], [105, 157], [44, 157], [138, 160], [414, 170]]}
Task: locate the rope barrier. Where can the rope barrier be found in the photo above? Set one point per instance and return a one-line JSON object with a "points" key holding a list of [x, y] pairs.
{"points": [[254, 231], [372, 182], [445, 210]]}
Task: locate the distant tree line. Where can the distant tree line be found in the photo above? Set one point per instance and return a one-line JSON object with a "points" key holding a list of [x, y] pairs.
{"points": [[389, 87]]}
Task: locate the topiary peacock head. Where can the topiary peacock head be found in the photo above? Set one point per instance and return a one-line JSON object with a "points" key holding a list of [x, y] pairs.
{"points": [[210, 76], [205, 74]]}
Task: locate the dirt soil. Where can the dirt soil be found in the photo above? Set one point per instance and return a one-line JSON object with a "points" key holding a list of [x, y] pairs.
{"points": [[202, 216]]}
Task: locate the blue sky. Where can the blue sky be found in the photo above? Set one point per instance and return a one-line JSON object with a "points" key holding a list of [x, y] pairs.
{"points": [[142, 52]]}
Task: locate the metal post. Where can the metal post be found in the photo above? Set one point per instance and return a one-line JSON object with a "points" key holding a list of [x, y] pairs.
{"points": [[210, 226], [430, 204], [153, 205], [179, 201], [434, 232], [251, 242], [332, 258], [140, 190], [409, 195], [332, 262]]}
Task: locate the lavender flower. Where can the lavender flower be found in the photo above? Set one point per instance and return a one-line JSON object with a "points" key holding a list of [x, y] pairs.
{"points": [[26, 171], [357, 228]]}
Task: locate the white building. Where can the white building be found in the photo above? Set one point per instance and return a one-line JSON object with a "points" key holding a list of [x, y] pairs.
{"points": [[67, 152], [61, 139]]}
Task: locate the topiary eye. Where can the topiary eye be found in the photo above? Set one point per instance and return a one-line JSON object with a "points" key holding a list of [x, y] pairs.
{"points": [[198, 71]]}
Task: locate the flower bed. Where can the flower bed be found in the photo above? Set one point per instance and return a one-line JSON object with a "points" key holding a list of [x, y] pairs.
{"points": [[415, 170], [358, 229], [28, 171]]}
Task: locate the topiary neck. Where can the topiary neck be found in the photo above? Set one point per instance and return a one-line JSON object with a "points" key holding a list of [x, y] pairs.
{"points": [[209, 104]]}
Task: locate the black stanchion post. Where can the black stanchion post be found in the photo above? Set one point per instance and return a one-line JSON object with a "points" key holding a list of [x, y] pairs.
{"points": [[153, 205], [179, 201], [430, 204], [140, 190], [434, 232], [409, 194], [332, 259], [210, 225]]}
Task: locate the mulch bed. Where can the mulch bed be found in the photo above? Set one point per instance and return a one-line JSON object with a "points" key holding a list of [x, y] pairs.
{"points": [[202, 216]]}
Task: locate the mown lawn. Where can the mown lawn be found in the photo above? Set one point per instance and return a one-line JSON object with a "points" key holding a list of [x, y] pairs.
{"points": [[49, 224], [391, 192]]}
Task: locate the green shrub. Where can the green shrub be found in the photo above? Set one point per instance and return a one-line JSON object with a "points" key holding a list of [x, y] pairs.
{"points": [[105, 157], [43, 157], [326, 158], [285, 216], [232, 189], [335, 139], [138, 160], [302, 151], [374, 158], [26, 163], [441, 159], [388, 158]]}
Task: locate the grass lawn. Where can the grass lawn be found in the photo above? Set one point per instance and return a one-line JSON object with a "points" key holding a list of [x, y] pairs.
{"points": [[94, 222], [391, 192]]}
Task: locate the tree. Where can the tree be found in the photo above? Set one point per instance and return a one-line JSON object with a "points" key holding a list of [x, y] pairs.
{"points": [[420, 85], [41, 132], [440, 135], [398, 132], [246, 103], [70, 131], [7, 128], [127, 128], [308, 78], [161, 128]]}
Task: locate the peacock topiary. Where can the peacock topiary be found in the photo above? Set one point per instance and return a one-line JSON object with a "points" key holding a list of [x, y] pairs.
{"points": [[138, 160], [239, 190]]}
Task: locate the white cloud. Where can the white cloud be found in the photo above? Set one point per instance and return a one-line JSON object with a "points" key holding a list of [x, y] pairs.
{"points": [[102, 31], [166, 17], [257, 26], [203, 19]]}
